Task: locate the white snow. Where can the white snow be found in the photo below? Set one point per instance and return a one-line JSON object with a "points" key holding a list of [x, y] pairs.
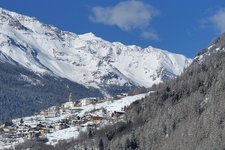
{"points": [[73, 131], [110, 106], [6, 143], [29, 79], [85, 59], [211, 46], [115, 105], [63, 134]]}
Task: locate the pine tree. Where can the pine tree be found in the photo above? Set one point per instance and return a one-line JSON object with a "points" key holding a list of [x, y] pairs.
{"points": [[101, 145]]}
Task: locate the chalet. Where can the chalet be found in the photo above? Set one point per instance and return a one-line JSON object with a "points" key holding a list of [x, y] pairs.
{"points": [[68, 105], [86, 117], [66, 121], [76, 103], [124, 94], [5, 129], [52, 109], [63, 126], [58, 126], [94, 118], [23, 131], [108, 98], [2, 126], [73, 110], [87, 124], [9, 129], [33, 125], [33, 132], [77, 122], [43, 112], [119, 96], [51, 129], [87, 101], [51, 114], [42, 129]]}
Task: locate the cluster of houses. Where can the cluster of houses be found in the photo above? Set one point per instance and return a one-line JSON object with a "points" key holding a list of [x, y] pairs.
{"points": [[22, 130], [56, 118]]}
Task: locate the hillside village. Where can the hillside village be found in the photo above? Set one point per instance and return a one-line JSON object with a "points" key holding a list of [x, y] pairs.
{"points": [[69, 117]]}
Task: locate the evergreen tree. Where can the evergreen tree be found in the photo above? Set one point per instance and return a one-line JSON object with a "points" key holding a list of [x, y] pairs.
{"points": [[101, 145], [21, 121]]}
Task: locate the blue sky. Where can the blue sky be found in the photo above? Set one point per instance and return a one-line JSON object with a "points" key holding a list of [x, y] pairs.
{"points": [[179, 26]]}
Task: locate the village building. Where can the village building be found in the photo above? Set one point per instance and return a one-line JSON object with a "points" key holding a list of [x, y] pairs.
{"points": [[42, 129], [51, 129], [63, 116], [69, 104], [57, 126], [6, 129], [87, 101], [60, 126], [73, 110], [119, 96], [33, 133], [95, 118], [2, 126], [124, 94], [22, 131], [51, 114]]}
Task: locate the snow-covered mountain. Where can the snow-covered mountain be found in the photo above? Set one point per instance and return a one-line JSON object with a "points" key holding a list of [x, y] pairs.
{"points": [[85, 59]]}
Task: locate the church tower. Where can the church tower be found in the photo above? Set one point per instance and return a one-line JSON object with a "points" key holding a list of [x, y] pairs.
{"points": [[70, 97]]}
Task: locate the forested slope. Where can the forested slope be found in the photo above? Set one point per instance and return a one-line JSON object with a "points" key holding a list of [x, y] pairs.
{"points": [[23, 92], [185, 113]]}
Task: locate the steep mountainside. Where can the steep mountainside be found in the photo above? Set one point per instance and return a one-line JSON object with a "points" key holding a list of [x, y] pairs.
{"points": [[185, 113], [85, 59], [40, 65], [23, 93]]}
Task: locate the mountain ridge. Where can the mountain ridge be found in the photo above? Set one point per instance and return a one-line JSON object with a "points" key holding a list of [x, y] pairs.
{"points": [[40, 66], [183, 113], [85, 59]]}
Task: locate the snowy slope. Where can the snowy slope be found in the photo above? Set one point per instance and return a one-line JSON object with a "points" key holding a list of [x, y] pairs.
{"points": [[73, 131], [84, 59]]}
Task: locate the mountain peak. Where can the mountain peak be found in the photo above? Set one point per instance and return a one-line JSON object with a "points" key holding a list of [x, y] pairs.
{"points": [[89, 36], [85, 59], [12, 14]]}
